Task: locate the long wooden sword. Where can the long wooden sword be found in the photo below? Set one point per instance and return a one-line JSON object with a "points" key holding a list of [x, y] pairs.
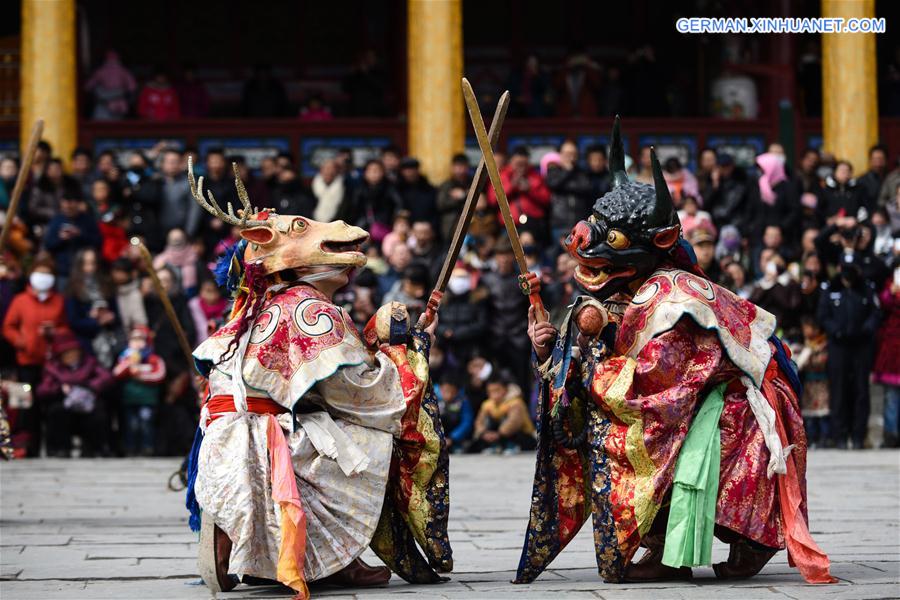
{"points": [[24, 170], [491, 165], [465, 218], [166, 303]]}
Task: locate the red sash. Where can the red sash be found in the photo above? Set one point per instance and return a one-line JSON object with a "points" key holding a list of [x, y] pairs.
{"points": [[224, 403]]}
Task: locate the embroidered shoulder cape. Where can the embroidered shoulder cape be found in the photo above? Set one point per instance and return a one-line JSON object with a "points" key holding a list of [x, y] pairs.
{"points": [[669, 294], [300, 338]]}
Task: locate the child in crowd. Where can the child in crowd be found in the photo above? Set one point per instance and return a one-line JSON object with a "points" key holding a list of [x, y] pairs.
{"points": [[411, 290], [129, 300], [457, 415], [690, 216], [399, 234], [503, 423], [182, 258], [811, 361], [208, 308], [143, 373], [69, 394]]}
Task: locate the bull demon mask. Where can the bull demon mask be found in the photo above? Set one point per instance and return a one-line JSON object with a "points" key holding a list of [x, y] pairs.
{"points": [[631, 230], [277, 243]]}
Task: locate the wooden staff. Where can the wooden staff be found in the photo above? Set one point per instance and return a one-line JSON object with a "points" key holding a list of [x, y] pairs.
{"points": [[490, 163], [22, 177], [465, 218], [167, 304]]}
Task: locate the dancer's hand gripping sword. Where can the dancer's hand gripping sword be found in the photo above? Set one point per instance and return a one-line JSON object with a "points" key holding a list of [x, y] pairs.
{"points": [[528, 281], [465, 218]]}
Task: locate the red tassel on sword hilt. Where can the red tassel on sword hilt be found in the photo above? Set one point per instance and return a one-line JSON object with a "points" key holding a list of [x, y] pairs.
{"points": [[427, 317], [530, 284]]}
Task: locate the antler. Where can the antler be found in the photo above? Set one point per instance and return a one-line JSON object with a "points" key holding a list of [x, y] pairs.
{"points": [[211, 206], [242, 192]]}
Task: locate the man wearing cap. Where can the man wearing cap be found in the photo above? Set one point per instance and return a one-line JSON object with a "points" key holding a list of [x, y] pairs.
{"points": [[703, 241]]}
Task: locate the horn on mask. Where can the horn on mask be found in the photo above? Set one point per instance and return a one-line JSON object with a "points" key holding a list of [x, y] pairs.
{"points": [[664, 209]]}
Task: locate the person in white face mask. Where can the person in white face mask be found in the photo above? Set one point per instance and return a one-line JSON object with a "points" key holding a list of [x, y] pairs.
{"points": [[463, 322], [34, 317]]}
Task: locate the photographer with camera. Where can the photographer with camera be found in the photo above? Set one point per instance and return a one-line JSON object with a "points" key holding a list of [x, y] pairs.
{"points": [[848, 312], [846, 237]]}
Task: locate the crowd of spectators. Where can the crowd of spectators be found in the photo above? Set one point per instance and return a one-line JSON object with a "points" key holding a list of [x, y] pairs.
{"points": [[114, 93], [83, 327], [577, 84]]}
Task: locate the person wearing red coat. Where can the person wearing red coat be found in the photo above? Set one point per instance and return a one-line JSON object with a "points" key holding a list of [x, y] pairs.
{"points": [[887, 362], [159, 100], [34, 317], [528, 195], [113, 227]]}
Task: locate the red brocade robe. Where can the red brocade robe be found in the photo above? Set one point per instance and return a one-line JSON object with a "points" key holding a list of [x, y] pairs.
{"points": [[679, 337]]}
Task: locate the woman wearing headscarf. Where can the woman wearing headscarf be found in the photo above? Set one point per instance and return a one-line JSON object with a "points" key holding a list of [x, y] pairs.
{"points": [[773, 200], [182, 258]]}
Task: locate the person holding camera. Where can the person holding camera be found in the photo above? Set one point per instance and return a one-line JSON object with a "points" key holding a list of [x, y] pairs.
{"points": [[846, 237], [848, 312], [34, 317]]}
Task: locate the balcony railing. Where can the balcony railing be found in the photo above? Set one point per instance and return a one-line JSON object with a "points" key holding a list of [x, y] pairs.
{"points": [[311, 141]]}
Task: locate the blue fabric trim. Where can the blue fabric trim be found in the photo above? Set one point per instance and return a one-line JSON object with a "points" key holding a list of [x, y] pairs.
{"points": [[786, 365], [688, 249], [204, 367], [190, 497], [230, 267], [561, 358]]}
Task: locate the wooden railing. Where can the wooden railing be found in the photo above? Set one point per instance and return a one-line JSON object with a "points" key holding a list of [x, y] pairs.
{"points": [[311, 140]]}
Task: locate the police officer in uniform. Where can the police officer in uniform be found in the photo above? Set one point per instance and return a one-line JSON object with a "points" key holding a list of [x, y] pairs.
{"points": [[849, 313]]}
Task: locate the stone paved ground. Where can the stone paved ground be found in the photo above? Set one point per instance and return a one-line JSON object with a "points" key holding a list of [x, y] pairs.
{"points": [[110, 529]]}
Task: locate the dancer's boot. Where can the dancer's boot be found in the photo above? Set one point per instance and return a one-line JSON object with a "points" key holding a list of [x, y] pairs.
{"points": [[650, 567], [358, 574], [744, 560]]}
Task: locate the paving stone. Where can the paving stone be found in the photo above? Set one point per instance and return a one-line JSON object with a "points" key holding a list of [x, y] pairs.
{"points": [[139, 551], [11, 537], [104, 529]]}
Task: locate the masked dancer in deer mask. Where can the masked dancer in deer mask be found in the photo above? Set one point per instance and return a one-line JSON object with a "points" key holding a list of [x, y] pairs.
{"points": [[314, 443], [668, 409]]}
